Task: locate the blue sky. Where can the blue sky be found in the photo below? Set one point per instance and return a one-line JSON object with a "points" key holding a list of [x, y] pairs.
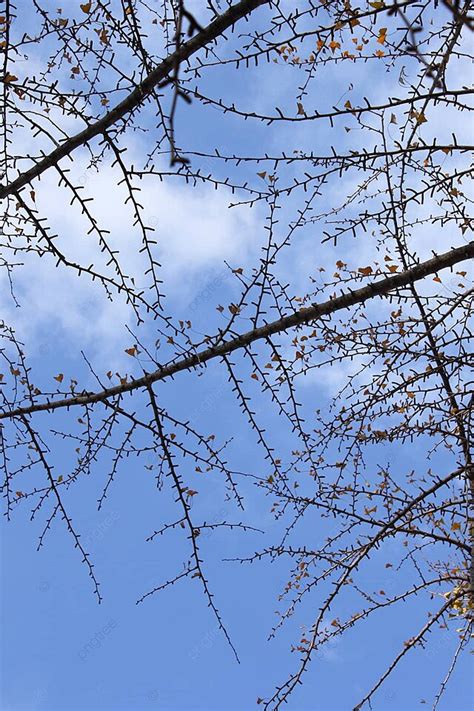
{"points": [[60, 650]]}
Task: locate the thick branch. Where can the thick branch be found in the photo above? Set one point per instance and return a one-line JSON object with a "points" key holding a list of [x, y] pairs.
{"points": [[138, 95], [301, 317]]}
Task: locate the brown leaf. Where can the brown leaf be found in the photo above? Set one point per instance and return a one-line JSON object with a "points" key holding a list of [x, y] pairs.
{"points": [[368, 511], [8, 78]]}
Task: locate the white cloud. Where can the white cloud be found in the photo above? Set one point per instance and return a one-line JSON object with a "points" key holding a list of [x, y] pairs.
{"points": [[195, 233]]}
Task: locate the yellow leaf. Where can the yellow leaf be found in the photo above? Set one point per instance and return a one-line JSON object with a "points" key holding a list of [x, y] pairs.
{"points": [[365, 270], [334, 45], [86, 7], [301, 111], [59, 377], [455, 527], [131, 351], [382, 35]]}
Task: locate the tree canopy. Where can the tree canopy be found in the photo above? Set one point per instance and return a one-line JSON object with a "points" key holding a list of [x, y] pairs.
{"points": [[317, 153]]}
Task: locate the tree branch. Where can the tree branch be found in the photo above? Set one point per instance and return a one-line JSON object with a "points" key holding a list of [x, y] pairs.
{"points": [[298, 318], [138, 95]]}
